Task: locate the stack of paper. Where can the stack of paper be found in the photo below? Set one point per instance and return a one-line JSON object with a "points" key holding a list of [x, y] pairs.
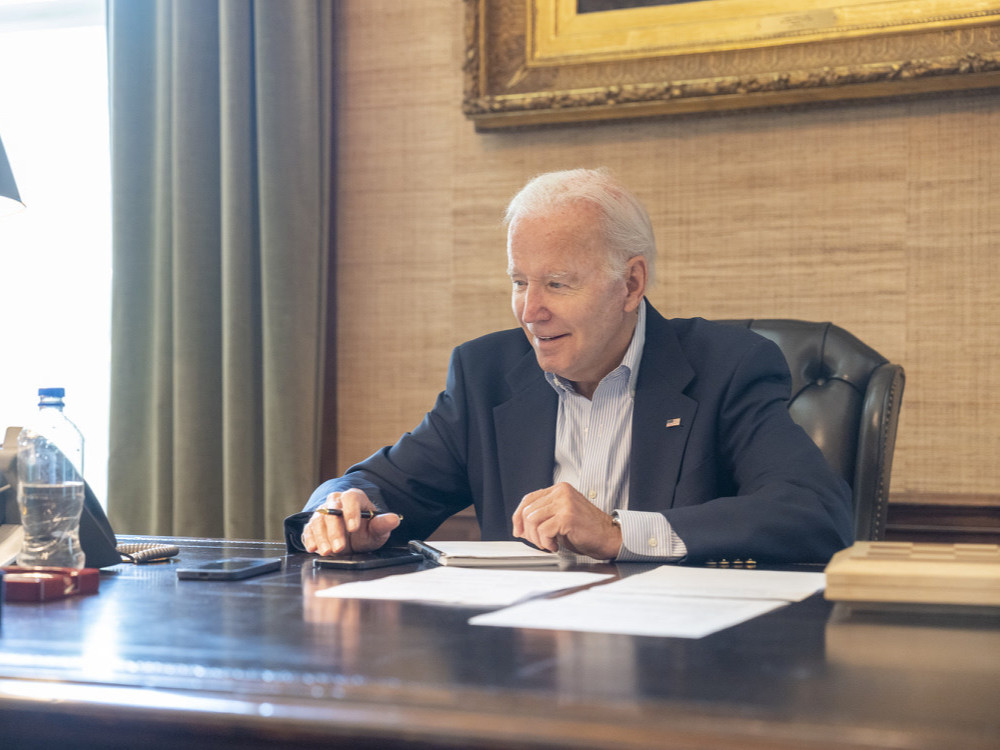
{"points": [[670, 600], [667, 601], [463, 586]]}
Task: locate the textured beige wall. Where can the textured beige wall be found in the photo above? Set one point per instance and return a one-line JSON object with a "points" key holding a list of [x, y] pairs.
{"points": [[881, 217]]}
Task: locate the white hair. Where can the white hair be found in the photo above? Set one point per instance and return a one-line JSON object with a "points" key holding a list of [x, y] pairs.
{"points": [[627, 229]]}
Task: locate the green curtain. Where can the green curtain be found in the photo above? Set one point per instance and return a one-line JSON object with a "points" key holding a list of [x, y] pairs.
{"points": [[222, 171]]}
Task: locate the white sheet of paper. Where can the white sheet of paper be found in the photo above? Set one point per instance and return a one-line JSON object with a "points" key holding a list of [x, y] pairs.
{"points": [[668, 601], [471, 587], [596, 611], [729, 583]]}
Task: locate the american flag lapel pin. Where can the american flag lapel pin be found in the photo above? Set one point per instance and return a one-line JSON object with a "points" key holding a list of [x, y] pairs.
{"points": [[675, 422]]}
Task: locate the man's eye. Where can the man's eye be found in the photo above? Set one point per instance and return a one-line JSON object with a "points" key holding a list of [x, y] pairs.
{"points": [[518, 284]]}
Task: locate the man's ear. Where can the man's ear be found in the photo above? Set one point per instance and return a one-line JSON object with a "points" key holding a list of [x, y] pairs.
{"points": [[636, 275]]}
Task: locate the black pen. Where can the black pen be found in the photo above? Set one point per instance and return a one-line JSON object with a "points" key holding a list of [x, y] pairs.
{"points": [[364, 513]]}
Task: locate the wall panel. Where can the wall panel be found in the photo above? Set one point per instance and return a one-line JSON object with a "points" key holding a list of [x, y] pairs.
{"points": [[879, 216]]}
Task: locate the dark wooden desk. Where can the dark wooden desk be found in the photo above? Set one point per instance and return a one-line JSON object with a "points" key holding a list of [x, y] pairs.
{"points": [[153, 662]]}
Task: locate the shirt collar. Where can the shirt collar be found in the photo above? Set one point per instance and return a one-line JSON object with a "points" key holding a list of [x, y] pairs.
{"points": [[633, 355]]}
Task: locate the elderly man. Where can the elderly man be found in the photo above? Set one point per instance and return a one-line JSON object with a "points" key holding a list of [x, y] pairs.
{"points": [[599, 428]]}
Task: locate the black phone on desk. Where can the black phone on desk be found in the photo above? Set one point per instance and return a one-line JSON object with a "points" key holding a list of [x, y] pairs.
{"points": [[229, 569], [379, 558]]}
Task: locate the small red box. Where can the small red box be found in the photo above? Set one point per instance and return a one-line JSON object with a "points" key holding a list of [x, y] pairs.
{"points": [[41, 584]]}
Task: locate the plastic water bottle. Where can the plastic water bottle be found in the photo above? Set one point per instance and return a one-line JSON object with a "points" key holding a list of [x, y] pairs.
{"points": [[50, 485]]}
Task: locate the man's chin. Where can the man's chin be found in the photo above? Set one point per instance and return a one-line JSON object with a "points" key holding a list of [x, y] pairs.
{"points": [[545, 365], [551, 365]]}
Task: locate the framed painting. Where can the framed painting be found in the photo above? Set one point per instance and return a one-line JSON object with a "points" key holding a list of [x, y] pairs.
{"points": [[534, 62]]}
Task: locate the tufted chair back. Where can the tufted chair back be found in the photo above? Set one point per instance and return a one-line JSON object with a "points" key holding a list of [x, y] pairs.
{"points": [[847, 397]]}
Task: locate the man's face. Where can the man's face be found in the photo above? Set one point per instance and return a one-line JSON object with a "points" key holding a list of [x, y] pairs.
{"points": [[578, 319]]}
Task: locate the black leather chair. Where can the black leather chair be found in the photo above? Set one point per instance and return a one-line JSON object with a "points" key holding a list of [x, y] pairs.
{"points": [[847, 397]]}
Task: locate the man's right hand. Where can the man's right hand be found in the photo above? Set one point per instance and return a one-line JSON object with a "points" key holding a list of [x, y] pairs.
{"points": [[347, 533]]}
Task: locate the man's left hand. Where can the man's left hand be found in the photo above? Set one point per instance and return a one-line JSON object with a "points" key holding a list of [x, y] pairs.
{"points": [[559, 516]]}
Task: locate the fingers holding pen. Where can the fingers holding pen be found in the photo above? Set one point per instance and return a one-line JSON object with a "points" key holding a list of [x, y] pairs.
{"points": [[348, 522], [315, 537], [379, 529], [350, 503], [369, 527], [379, 524], [328, 533]]}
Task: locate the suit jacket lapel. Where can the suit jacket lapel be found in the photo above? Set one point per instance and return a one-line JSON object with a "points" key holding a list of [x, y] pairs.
{"points": [[526, 423], [526, 432], [662, 416]]}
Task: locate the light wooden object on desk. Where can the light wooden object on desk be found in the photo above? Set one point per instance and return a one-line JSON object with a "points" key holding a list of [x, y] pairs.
{"points": [[966, 575]]}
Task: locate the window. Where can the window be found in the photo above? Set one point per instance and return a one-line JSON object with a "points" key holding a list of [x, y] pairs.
{"points": [[55, 254]]}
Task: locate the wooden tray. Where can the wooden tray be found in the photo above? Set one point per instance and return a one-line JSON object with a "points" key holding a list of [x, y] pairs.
{"points": [[916, 573]]}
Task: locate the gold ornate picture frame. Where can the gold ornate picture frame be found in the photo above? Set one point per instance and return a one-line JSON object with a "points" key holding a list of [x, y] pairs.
{"points": [[533, 62]]}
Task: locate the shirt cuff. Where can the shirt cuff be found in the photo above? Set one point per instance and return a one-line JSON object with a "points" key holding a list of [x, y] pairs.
{"points": [[647, 536]]}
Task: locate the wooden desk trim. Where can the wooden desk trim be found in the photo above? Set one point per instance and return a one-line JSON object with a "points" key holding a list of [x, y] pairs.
{"points": [[33, 712]]}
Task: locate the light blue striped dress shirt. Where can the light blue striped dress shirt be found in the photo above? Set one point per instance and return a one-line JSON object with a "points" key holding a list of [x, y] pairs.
{"points": [[593, 445]]}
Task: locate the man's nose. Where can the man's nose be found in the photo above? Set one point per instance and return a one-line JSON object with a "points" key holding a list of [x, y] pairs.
{"points": [[534, 305]]}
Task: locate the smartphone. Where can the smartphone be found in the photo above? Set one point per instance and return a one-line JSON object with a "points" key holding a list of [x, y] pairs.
{"points": [[230, 569], [379, 558]]}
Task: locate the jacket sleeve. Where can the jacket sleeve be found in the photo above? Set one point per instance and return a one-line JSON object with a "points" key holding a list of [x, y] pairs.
{"points": [[783, 501], [423, 477]]}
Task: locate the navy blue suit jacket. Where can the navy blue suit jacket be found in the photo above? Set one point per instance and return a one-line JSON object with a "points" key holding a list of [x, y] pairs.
{"points": [[736, 478]]}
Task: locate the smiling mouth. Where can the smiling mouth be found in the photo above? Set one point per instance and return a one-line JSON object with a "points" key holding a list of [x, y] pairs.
{"points": [[550, 338]]}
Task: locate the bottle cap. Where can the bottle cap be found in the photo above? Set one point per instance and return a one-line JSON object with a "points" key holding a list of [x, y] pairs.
{"points": [[52, 392]]}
